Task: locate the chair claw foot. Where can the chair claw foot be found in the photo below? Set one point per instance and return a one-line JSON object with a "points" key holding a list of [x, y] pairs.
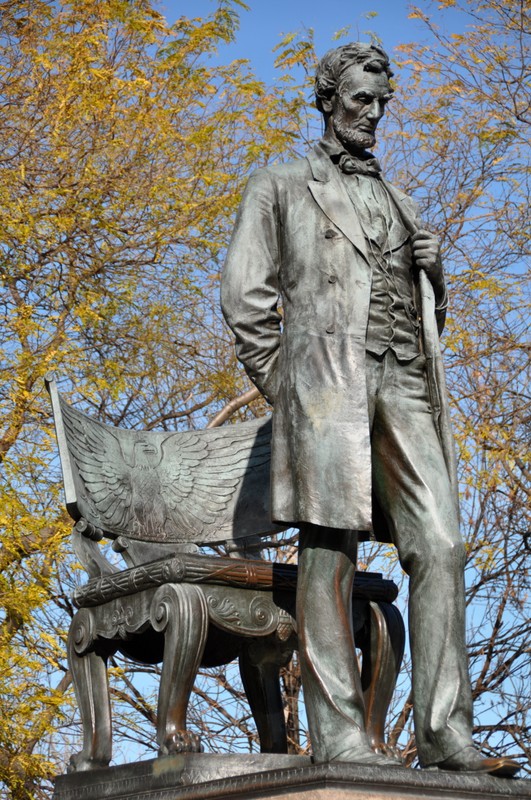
{"points": [[79, 762], [181, 742]]}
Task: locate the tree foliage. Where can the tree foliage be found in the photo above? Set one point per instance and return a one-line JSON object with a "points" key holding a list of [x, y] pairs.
{"points": [[460, 144], [124, 150], [125, 146]]}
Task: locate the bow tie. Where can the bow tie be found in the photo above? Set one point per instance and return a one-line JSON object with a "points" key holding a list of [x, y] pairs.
{"points": [[352, 165]]}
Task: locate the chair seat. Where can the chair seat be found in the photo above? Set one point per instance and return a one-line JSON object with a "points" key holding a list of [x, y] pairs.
{"points": [[217, 570]]}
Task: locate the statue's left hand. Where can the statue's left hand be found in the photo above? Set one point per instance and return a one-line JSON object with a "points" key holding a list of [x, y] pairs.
{"points": [[427, 256], [427, 252]]}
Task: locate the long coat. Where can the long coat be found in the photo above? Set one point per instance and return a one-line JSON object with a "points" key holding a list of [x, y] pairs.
{"points": [[297, 237]]}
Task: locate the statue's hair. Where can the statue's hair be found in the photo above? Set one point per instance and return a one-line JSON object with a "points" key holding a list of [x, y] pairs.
{"points": [[336, 61]]}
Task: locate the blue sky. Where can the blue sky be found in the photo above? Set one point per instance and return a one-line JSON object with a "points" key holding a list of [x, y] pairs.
{"points": [[262, 26]]}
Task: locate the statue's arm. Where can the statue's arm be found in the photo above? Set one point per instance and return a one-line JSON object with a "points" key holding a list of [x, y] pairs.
{"points": [[427, 256], [250, 284]]}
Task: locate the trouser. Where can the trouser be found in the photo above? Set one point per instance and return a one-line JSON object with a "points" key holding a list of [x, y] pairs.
{"points": [[411, 486]]}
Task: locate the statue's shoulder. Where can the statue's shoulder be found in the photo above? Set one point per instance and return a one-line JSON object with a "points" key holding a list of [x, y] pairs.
{"points": [[298, 168], [406, 201]]}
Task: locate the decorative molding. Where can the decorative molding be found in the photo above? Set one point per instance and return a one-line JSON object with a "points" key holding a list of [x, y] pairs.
{"points": [[243, 573]]}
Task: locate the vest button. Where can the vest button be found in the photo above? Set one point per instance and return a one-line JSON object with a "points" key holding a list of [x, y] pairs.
{"points": [[330, 233], [332, 278], [330, 329]]}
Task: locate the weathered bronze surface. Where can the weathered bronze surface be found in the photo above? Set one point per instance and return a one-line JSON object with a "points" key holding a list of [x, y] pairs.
{"points": [[193, 776], [190, 486], [239, 573], [186, 609], [361, 434]]}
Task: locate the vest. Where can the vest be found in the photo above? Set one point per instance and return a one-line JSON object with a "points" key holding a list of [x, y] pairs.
{"points": [[393, 321]]}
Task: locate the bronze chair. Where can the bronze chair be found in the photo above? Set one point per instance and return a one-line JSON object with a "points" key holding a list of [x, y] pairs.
{"points": [[159, 496]]}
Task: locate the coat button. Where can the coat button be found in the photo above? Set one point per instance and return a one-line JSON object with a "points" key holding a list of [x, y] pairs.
{"points": [[330, 328], [332, 278], [330, 233]]}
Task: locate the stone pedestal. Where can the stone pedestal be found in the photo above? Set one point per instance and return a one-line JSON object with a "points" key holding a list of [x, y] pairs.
{"points": [[221, 777]]}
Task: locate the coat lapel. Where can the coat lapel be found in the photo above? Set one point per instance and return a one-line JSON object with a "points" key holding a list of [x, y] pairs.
{"points": [[331, 196], [404, 208]]}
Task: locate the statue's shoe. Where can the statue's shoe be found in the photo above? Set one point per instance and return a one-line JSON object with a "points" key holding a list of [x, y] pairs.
{"points": [[367, 757], [354, 748], [471, 760]]}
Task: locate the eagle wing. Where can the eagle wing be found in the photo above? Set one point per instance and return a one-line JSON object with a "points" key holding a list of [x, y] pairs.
{"points": [[208, 477], [102, 476]]}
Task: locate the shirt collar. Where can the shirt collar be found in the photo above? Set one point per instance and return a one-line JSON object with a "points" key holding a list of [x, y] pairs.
{"points": [[338, 155]]}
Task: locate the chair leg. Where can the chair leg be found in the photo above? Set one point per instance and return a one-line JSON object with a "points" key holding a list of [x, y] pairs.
{"points": [[382, 655], [260, 662], [180, 611], [89, 676]]}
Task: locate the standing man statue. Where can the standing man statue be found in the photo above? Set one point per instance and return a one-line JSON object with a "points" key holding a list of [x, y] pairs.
{"points": [[360, 430]]}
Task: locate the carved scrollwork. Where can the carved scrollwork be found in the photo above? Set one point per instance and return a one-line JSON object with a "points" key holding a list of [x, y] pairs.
{"points": [[223, 609], [83, 631], [161, 609], [241, 611], [172, 602], [123, 617], [122, 620], [263, 612]]}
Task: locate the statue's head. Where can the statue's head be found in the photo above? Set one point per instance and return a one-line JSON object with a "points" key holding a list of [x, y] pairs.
{"points": [[351, 90], [146, 454]]}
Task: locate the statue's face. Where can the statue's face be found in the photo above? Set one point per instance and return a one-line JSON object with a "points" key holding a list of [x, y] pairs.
{"points": [[358, 106]]}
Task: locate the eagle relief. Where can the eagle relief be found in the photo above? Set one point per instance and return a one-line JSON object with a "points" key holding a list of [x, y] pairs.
{"points": [[168, 486]]}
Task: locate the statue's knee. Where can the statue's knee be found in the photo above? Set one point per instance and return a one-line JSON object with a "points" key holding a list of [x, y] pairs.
{"points": [[452, 553], [436, 556]]}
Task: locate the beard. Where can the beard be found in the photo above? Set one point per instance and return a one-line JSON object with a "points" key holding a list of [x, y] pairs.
{"points": [[352, 138]]}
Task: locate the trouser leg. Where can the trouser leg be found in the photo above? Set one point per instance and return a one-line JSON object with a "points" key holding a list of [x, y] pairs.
{"points": [[412, 487], [329, 669]]}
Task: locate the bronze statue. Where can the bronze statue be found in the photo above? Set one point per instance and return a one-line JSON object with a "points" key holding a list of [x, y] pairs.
{"points": [[361, 438]]}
